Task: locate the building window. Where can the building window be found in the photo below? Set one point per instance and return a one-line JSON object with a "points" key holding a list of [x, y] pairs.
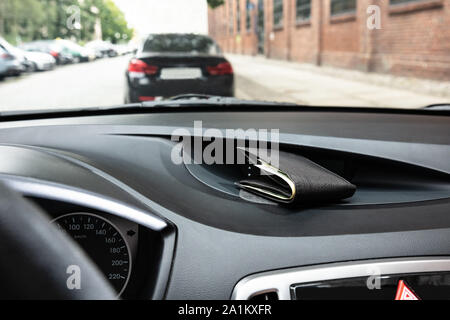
{"points": [[238, 16], [303, 9], [277, 13], [399, 6], [342, 6], [248, 16], [402, 1]]}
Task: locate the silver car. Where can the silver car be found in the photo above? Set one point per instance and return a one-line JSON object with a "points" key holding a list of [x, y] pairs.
{"points": [[9, 64], [3, 67], [40, 61]]}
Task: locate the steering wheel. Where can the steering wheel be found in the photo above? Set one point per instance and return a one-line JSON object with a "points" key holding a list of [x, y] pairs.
{"points": [[40, 262]]}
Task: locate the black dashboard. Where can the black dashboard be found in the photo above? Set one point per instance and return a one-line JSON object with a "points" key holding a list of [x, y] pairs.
{"points": [[189, 234]]}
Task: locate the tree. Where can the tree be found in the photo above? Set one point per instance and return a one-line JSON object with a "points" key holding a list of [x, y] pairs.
{"points": [[19, 19], [215, 3], [25, 20], [114, 24]]}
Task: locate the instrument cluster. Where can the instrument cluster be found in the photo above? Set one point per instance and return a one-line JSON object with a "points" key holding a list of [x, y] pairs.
{"points": [[126, 253]]}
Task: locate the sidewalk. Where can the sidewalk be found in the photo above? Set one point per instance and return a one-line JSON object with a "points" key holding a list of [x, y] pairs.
{"points": [[266, 79]]}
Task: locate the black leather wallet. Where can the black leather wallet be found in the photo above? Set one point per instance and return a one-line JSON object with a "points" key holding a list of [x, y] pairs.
{"points": [[295, 180]]}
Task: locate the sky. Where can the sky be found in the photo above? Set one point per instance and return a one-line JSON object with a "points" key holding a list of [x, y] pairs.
{"points": [[163, 16]]}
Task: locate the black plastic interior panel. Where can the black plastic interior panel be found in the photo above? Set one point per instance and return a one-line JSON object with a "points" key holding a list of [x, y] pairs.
{"points": [[398, 161], [418, 137], [174, 187]]}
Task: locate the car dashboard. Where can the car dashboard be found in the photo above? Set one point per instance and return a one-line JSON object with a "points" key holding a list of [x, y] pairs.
{"points": [[185, 232]]}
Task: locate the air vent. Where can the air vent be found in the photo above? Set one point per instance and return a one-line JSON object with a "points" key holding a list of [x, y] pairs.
{"points": [[267, 296]]}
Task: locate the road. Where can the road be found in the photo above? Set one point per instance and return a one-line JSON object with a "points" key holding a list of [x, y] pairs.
{"points": [[98, 83], [101, 83]]}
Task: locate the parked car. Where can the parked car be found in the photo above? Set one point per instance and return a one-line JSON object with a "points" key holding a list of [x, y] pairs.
{"points": [[78, 53], [6, 64], [12, 63], [3, 67], [15, 53], [167, 65], [40, 61], [122, 49], [99, 54], [103, 49], [61, 55]]}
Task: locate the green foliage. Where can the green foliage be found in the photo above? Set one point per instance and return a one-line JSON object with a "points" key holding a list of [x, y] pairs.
{"points": [[215, 3], [19, 18], [114, 25], [26, 20]]}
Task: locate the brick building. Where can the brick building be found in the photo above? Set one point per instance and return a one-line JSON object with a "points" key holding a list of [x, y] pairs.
{"points": [[414, 39]]}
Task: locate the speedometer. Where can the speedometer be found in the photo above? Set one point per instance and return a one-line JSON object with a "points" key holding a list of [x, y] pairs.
{"points": [[104, 244]]}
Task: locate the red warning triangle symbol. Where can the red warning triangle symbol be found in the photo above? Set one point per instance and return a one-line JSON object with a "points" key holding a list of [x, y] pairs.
{"points": [[404, 292]]}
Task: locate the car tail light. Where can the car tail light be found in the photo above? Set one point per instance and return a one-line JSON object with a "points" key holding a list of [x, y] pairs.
{"points": [[139, 66], [54, 54], [221, 69], [7, 56], [145, 98]]}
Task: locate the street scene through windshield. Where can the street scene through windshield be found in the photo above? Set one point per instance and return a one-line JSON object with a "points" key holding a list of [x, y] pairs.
{"points": [[61, 54]]}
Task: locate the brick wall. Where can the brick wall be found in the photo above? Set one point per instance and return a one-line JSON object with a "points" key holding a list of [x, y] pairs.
{"points": [[414, 39]]}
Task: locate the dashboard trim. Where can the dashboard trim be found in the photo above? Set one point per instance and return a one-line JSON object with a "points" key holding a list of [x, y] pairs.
{"points": [[280, 281], [64, 193]]}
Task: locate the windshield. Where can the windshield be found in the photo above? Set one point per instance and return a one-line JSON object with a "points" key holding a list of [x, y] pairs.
{"points": [[334, 53]]}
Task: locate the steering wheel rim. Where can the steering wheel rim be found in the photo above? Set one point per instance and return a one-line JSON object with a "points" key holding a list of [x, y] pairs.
{"points": [[40, 262]]}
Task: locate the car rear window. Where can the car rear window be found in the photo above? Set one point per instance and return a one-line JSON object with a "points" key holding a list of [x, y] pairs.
{"points": [[180, 43]]}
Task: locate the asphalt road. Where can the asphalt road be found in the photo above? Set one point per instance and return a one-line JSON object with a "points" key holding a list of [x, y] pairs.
{"points": [[98, 83]]}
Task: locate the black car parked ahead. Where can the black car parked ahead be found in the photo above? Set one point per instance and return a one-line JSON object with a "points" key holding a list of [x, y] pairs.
{"points": [[167, 65]]}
